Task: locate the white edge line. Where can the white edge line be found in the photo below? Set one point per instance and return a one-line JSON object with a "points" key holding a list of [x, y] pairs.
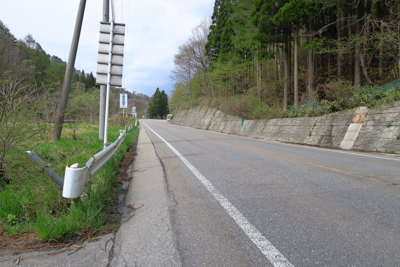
{"points": [[270, 252], [337, 151]]}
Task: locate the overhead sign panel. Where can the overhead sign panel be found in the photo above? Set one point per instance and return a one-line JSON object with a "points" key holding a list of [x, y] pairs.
{"points": [[117, 53]]}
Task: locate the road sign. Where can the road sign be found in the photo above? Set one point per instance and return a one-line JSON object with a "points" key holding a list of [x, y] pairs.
{"points": [[123, 101], [117, 53], [133, 110]]}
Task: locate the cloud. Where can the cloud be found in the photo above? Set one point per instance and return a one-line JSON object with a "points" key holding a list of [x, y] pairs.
{"points": [[154, 31]]}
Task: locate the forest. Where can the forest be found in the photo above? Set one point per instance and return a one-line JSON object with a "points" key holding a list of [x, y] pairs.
{"points": [[281, 58]]}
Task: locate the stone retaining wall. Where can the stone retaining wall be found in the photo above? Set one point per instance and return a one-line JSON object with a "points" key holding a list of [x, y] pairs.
{"points": [[328, 130], [380, 130]]}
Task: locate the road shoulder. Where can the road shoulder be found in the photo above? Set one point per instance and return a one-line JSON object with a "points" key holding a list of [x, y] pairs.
{"points": [[146, 239]]}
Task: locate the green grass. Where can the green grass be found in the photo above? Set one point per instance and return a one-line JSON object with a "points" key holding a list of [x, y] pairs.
{"points": [[32, 202]]}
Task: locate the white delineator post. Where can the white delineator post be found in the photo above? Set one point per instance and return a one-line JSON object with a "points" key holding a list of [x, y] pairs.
{"points": [[108, 82]]}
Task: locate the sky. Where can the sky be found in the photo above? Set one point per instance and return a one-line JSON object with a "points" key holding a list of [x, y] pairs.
{"points": [[154, 31]]}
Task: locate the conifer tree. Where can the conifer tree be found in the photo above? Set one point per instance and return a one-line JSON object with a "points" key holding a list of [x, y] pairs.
{"points": [[221, 31], [158, 106], [214, 43], [83, 78]]}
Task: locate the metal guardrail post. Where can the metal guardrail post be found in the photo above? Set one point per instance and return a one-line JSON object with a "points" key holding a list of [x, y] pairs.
{"points": [[76, 178], [44, 166]]}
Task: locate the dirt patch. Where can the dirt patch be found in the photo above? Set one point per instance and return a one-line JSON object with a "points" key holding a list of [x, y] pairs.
{"points": [[11, 245], [124, 179]]}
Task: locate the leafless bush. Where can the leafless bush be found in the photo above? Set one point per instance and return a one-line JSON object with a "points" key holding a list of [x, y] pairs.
{"points": [[21, 106]]}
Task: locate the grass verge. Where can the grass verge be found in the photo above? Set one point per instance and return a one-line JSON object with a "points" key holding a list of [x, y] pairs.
{"points": [[32, 202]]}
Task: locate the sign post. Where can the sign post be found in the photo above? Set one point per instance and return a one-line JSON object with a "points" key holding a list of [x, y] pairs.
{"points": [[110, 60], [123, 103], [134, 112]]}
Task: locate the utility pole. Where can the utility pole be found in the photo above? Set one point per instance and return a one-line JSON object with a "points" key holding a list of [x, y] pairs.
{"points": [[103, 88], [68, 73]]}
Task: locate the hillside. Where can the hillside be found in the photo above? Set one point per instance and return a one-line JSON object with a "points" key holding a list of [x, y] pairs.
{"points": [[269, 59], [48, 74]]}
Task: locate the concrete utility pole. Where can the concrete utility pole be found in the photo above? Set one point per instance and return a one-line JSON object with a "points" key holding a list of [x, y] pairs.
{"points": [[68, 73], [103, 88]]}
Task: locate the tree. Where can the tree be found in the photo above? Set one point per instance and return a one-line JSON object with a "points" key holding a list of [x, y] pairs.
{"points": [[158, 106], [226, 24], [221, 31], [83, 78], [191, 60], [9, 51], [271, 29], [85, 107], [299, 13], [214, 38], [90, 81]]}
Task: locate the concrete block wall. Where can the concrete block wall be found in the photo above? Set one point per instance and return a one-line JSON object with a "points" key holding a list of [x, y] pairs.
{"points": [[328, 130], [380, 130]]}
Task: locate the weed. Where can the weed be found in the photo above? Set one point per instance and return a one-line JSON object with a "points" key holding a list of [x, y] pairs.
{"points": [[398, 137], [310, 133], [389, 125], [11, 219], [391, 151]]}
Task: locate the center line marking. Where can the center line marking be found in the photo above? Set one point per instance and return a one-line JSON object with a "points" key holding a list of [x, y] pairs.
{"points": [[270, 252], [272, 153]]}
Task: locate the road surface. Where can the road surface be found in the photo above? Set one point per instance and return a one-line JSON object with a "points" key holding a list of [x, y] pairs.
{"points": [[239, 201]]}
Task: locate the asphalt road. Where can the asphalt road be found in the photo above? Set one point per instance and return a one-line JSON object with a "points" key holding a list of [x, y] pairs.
{"points": [[238, 201]]}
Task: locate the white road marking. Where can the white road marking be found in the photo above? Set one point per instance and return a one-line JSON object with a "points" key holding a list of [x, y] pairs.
{"points": [[348, 153], [270, 252]]}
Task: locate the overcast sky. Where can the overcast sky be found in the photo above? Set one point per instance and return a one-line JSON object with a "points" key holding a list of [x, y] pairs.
{"points": [[154, 31]]}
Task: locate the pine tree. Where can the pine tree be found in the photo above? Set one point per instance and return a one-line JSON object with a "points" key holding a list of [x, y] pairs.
{"points": [[243, 38], [83, 78], [158, 106], [213, 45], [164, 104], [225, 23], [90, 81], [221, 31]]}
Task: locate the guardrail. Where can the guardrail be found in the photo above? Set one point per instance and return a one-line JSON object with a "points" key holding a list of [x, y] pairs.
{"points": [[44, 165], [75, 178]]}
